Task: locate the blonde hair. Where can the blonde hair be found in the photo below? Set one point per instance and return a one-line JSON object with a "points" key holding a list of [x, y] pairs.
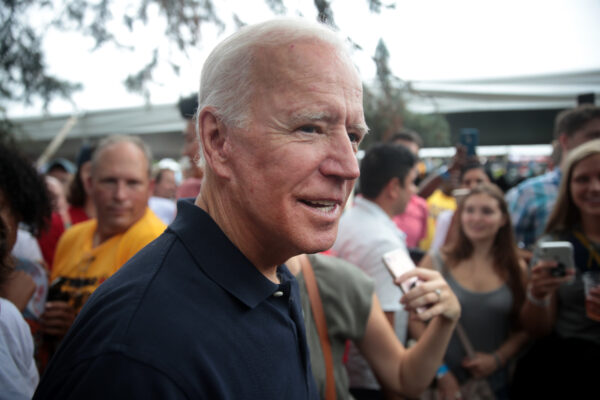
{"points": [[565, 213]]}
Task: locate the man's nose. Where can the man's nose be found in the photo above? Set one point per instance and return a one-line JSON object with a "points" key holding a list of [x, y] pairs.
{"points": [[120, 190], [341, 161]]}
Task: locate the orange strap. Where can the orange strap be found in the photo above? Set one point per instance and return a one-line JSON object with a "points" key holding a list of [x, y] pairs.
{"points": [[319, 316]]}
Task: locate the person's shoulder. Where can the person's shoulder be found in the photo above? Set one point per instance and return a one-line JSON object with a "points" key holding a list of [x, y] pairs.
{"points": [[346, 291], [357, 220], [530, 183], [81, 227], [150, 225], [337, 269], [418, 201], [12, 323], [8, 311], [77, 233]]}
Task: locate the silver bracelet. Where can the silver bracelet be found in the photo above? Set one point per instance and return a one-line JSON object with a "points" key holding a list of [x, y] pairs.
{"points": [[545, 302]]}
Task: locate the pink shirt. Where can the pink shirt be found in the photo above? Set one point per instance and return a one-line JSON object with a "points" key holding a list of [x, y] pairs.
{"points": [[413, 221]]}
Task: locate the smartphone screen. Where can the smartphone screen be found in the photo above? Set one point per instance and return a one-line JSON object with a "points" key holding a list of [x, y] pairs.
{"points": [[398, 262], [469, 137]]}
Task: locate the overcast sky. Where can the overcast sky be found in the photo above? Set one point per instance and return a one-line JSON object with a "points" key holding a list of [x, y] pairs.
{"points": [[427, 40]]}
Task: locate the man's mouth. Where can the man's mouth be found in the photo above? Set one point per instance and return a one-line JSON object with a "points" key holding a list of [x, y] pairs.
{"points": [[322, 205]]}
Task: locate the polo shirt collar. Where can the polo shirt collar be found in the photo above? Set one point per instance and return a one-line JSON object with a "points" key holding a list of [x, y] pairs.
{"points": [[220, 259]]}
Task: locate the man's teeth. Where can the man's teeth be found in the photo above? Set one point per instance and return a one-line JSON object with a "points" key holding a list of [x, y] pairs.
{"points": [[325, 205]]}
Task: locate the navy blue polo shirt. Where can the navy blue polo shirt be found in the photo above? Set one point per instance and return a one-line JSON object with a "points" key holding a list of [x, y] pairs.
{"points": [[188, 317]]}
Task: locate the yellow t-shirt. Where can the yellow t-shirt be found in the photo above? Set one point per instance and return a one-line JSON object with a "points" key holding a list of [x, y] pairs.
{"points": [[83, 267], [437, 203]]}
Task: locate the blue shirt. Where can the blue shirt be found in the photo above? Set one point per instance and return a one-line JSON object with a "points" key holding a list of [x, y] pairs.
{"points": [[530, 204], [188, 317]]}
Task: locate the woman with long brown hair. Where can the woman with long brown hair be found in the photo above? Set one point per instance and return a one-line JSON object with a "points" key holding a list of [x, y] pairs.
{"points": [[559, 364], [482, 267]]}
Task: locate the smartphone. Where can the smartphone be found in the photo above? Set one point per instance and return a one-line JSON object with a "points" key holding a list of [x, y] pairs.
{"points": [[561, 252], [469, 137], [398, 262], [55, 292]]}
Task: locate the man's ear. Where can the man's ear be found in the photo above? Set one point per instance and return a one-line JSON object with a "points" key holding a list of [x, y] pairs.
{"points": [[214, 138], [392, 188], [562, 140]]}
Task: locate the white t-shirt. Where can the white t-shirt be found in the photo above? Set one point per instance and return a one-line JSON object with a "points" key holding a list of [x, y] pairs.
{"points": [[18, 372], [442, 226], [165, 209], [27, 247], [365, 233]]}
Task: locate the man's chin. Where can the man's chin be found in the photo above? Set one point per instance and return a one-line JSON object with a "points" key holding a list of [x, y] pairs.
{"points": [[319, 243]]}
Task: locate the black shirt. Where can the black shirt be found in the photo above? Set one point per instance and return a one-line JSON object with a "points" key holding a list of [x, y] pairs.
{"points": [[187, 317]]}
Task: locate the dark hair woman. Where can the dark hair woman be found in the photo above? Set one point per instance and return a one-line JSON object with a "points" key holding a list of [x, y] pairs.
{"points": [[23, 198]]}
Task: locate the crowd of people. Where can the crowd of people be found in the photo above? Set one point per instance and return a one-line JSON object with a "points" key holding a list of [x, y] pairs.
{"points": [[267, 279]]}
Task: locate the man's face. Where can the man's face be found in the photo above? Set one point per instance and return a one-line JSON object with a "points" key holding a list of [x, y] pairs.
{"points": [[57, 194], [120, 187], [62, 176], [589, 131], [167, 186], [295, 166], [474, 177]]}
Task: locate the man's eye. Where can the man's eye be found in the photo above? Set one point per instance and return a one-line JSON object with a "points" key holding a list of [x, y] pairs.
{"points": [[354, 138], [309, 129]]}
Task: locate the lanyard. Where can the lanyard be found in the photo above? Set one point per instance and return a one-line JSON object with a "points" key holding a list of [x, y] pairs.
{"points": [[593, 254]]}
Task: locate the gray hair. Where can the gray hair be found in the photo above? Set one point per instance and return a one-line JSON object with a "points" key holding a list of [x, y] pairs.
{"points": [[114, 139], [227, 74]]}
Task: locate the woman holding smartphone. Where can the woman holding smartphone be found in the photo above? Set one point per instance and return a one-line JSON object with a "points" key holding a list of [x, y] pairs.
{"points": [[559, 365], [481, 265]]}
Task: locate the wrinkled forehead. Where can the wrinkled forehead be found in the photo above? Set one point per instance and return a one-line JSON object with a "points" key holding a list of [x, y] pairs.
{"points": [[303, 60], [116, 155]]}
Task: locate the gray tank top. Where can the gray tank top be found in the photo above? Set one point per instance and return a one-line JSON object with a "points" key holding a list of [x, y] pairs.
{"points": [[485, 318]]}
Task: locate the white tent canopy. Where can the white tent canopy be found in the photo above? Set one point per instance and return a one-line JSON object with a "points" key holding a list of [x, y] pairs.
{"points": [[559, 90]]}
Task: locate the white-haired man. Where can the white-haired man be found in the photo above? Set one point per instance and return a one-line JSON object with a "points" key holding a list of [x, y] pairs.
{"points": [[207, 311]]}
